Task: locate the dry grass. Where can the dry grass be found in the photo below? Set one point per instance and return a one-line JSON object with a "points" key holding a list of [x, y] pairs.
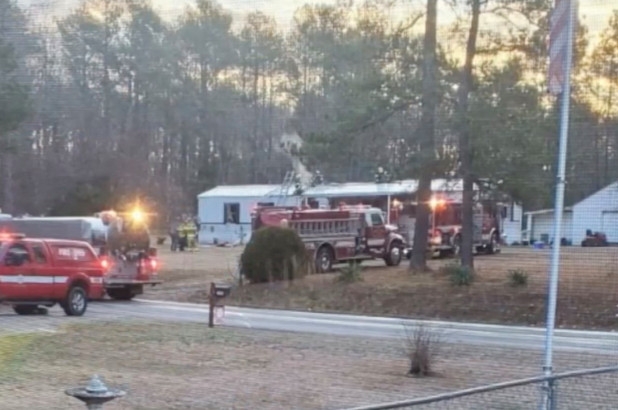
{"points": [[174, 366], [587, 293], [184, 272]]}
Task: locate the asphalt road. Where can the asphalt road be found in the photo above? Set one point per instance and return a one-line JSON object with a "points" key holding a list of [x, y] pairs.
{"points": [[332, 324]]}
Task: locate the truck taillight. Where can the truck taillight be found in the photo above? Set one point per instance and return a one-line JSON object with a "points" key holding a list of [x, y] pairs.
{"points": [[153, 264], [104, 263]]}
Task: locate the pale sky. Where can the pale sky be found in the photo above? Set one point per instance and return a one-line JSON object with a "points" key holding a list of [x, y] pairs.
{"points": [[595, 13]]}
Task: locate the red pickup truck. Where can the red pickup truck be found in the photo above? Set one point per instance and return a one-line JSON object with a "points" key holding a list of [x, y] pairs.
{"points": [[43, 272]]}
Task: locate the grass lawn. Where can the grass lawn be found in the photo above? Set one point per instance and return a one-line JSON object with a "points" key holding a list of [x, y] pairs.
{"points": [[179, 366], [587, 293]]}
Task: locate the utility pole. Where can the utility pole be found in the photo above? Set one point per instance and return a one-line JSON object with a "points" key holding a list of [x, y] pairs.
{"points": [[561, 60]]}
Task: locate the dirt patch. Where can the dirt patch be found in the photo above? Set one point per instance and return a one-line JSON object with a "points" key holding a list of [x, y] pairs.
{"points": [[174, 366], [587, 292]]}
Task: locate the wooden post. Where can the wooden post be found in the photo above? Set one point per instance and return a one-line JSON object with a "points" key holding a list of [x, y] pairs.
{"points": [[212, 301]]}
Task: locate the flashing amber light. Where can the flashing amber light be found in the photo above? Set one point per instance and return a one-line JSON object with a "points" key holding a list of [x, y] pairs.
{"points": [[8, 236], [435, 203], [138, 215]]}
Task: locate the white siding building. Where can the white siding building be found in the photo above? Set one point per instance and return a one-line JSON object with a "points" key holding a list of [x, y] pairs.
{"points": [[598, 212], [224, 212], [512, 223], [540, 225]]}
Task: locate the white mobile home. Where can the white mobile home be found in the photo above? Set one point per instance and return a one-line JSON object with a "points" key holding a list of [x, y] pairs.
{"points": [[598, 212], [540, 225], [224, 212], [512, 222]]}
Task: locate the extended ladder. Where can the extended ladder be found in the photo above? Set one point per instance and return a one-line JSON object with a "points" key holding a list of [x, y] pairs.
{"points": [[288, 181]]}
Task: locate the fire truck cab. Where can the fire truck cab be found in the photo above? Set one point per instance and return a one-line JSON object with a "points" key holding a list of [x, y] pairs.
{"points": [[445, 220], [43, 272], [344, 234]]}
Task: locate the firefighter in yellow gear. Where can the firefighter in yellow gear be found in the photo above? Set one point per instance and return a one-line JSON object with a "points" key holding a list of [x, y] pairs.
{"points": [[191, 231], [183, 237], [187, 234]]}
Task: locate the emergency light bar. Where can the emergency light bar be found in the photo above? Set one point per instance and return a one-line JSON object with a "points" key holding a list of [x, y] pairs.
{"points": [[136, 214], [357, 207], [5, 236]]}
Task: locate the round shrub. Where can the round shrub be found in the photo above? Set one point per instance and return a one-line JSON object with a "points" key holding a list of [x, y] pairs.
{"points": [[274, 253], [459, 275]]}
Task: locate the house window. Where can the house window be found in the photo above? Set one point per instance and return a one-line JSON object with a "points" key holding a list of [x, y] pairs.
{"points": [[231, 213]]}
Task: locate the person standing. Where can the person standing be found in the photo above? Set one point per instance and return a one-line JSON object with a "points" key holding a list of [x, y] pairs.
{"points": [[174, 235]]}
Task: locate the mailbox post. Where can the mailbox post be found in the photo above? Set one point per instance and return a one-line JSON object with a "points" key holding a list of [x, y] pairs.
{"points": [[218, 292]]}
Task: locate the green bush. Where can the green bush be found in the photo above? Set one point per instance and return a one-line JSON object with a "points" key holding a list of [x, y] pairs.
{"points": [[274, 254], [350, 273], [518, 277], [459, 275]]}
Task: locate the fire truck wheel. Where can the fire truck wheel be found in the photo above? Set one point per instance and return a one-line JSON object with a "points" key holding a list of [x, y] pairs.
{"points": [[324, 260], [394, 256], [76, 301]]}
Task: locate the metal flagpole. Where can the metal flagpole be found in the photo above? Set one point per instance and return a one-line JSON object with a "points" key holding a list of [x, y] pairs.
{"points": [[549, 399]]}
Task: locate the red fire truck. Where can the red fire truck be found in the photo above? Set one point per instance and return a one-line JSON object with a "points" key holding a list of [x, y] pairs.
{"points": [[446, 220], [344, 234], [445, 225]]}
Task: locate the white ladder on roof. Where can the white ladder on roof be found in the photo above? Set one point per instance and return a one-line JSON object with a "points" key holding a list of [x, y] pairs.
{"points": [[288, 181]]}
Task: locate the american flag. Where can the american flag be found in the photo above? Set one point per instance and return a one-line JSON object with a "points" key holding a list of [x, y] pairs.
{"points": [[558, 43]]}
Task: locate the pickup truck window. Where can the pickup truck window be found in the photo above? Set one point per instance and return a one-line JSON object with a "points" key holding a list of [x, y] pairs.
{"points": [[73, 253], [39, 254], [18, 251]]}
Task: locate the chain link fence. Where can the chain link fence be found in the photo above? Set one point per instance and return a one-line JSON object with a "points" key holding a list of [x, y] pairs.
{"points": [[581, 389]]}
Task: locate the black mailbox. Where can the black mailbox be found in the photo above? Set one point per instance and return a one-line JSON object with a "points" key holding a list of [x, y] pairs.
{"points": [[218, 291], [222, 291]]}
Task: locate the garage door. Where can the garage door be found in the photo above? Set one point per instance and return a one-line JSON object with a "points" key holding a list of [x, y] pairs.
{"points": [[610, 225]]}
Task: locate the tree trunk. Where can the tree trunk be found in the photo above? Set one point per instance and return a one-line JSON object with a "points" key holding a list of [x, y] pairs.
{"points": [[8, 183], [106, 76], [465, 148], [253, 170], [418, 261]]}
